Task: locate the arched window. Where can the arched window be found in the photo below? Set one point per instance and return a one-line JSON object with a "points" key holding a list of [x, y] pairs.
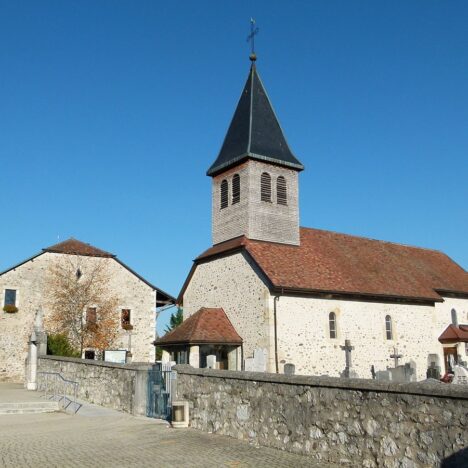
{"points": [[235, 189], [454, 318], [332, 324], [265, 187], [388, 327], [281, 193], [224, 194]]}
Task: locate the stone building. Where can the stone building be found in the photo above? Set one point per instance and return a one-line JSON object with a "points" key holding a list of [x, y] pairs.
{"points": [[22, 292], [294, 294]]}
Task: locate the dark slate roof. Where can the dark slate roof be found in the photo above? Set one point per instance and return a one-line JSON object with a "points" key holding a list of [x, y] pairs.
{"points": [[331, 263], [208, 325], [255, 132]]}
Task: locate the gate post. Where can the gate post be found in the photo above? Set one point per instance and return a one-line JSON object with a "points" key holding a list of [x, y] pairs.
{"points": [[141, 391]]}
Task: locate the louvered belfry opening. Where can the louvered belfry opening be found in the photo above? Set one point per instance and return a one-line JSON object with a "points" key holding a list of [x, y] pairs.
{"points": [[236, 189], [265, 187], [224, 194], [281, 191]]}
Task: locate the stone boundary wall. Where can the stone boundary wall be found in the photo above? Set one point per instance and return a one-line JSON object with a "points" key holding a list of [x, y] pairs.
{"points": [[118, 386], [352, 422]]}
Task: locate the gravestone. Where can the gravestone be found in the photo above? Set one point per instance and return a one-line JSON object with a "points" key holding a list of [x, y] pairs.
{"points": [[460, 375], [433, 370], [348, 371], [289, 369], [383, 375], [405, 373], [257, 363], [211, 361]]}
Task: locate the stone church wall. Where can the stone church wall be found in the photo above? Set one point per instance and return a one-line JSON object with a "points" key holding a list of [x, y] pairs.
{"points": [[304, 337], [28, 280], [344, 422], [233, 284]]}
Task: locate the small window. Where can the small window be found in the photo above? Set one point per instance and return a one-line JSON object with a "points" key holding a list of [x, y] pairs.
{"points": [[125, 318], [89, 354], [454, 318], [91, 315], [235, 189], [224, 194], [332, 324], [265, 187], [10, 297], [388, 327], [281, 193]]}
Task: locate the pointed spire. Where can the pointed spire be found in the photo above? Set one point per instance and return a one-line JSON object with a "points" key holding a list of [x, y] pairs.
{"points": [[255, 132]]}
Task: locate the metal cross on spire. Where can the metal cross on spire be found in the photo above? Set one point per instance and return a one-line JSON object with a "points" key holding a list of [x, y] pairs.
{"points": [[251, 38]]}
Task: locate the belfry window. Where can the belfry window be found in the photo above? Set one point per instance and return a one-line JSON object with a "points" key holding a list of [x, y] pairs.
{"points": [[236, 189], [265, 187], [281, 193], [332, 324], [224, 194], [388, 327]]}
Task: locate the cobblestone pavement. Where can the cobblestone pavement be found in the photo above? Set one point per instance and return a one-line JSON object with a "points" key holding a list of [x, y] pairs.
{"points": [[112, 439]]}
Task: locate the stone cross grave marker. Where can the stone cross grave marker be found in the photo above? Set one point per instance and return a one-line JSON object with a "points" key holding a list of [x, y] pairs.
{"points": [[395, 356], [347, 348]]}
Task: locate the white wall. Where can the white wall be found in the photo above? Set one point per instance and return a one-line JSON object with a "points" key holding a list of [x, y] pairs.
{"points": [[304, 339], [232, 284]]}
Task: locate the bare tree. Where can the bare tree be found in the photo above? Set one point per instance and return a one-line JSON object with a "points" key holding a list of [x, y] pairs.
{"points": [[80, 302]]}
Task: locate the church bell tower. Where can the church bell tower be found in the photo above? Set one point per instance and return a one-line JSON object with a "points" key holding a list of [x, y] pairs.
{"points": [[255, 190]]}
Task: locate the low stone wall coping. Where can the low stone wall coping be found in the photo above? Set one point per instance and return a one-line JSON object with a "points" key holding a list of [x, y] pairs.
{"points": [[417, 388], [134, 366]]}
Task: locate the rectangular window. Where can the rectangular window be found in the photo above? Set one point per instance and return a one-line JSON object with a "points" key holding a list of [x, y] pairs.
{"points": [[10, 297], [125, 318], [91, 315]]}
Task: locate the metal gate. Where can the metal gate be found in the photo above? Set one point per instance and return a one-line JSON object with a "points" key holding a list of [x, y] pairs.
{"points": [[159, 403]]}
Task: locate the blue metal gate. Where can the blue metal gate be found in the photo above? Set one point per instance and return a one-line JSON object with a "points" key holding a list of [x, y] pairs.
{"points": [[159, 402]]}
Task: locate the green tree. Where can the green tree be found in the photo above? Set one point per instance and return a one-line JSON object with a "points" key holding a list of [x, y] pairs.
{"points": [[176, 319], [59, 345]]}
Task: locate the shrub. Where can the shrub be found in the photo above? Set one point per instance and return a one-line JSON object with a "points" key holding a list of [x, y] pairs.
{"points": [[59, 345]]}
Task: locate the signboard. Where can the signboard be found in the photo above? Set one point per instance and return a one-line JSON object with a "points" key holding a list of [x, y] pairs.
{"points": [[118, 356]]}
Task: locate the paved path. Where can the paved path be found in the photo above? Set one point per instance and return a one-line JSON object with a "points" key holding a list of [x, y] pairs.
{"points": [[99, 437]]}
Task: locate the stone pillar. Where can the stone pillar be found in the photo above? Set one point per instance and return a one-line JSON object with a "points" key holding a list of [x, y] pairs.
{"points": [[32, 363], [166, 356], [194, 356], [232, 359]]}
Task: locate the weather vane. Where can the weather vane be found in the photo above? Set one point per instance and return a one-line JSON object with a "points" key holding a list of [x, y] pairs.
{"points": [[251, 38]]}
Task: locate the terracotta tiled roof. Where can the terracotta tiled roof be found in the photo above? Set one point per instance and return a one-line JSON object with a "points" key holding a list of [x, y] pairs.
{"points": [[338, 263], [454, 334], [76, 247], [210, 326]]}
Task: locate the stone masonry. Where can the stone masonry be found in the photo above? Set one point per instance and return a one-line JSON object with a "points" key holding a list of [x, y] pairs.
{"points": [[29, 281], [348, 422], [121, 387], [252, 217]]}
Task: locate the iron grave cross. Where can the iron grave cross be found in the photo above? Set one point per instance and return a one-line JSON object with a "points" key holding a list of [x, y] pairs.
{"points": [[251, 38]]}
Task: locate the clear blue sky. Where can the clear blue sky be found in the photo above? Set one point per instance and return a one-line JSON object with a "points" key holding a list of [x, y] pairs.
{"points": [[111, 112]]}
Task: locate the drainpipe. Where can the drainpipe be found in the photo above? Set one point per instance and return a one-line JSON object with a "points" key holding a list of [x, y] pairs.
{"points": [[275, 299]]}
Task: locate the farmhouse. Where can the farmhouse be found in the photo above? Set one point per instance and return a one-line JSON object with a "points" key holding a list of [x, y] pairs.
{"points": [[23, 294]]}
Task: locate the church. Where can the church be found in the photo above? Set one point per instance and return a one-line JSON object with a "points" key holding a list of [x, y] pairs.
{"points": [[270, 293]]}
